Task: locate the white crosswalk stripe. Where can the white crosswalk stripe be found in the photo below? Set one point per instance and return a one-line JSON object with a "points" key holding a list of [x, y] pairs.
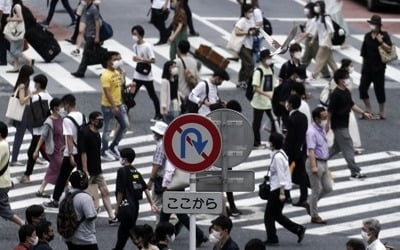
{"points": [[343, 208]]}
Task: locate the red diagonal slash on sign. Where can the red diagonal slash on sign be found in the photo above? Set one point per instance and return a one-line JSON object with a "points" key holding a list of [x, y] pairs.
{"points": [[189, 140]]}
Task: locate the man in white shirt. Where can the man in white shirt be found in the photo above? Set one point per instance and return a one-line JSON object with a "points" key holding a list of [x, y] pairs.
{"points": [[5, 11], [159, 14], [40, 81], [71, 125], [207, 101], [143, 53], [370, 233]]}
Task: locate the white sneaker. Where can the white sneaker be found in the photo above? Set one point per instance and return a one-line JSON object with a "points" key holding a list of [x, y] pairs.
{"points": [[106, 156], [75, 52], [113, 154]]}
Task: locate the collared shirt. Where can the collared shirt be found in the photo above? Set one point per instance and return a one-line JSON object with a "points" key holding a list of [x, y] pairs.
{"points": [[199, 94], [376, 245], [316, 139], [279, 171], [159, 158]]}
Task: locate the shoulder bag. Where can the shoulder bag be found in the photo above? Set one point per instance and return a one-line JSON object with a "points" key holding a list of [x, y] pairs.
{"points": [[190, 79], [15, 30], [106, 30], [15, 110], [142, 67], [264, 189], [388, 57], [38, 112]]}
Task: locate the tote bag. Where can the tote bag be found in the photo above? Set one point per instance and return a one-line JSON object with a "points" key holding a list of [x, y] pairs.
{"points": [[15, 110], [180, 179], [235, 42]]}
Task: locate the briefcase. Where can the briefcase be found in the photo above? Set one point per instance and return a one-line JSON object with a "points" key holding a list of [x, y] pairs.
{"points": [[210, 58]]}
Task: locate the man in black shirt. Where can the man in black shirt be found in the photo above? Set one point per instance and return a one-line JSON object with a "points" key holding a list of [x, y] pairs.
{"points": [[90, 149], [339, 108], [129, 188], [294, 62]]}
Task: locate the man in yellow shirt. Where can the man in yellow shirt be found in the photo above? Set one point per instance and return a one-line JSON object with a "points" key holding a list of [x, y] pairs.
{"points": [[112, 106]]}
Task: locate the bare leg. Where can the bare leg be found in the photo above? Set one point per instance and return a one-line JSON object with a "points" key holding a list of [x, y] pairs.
{"points": [[93, 190], [42, 186], [105, 196], [367, 104], [382, 110]]}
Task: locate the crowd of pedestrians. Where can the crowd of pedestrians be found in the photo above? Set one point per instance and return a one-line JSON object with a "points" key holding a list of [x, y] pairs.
{"points": [[75, 149]]}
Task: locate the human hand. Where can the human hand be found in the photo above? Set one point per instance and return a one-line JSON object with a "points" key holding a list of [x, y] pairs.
{"points": [[314, 170], [276, 44], [72, 161], [379, 37], [115, 110], [282, 197]]}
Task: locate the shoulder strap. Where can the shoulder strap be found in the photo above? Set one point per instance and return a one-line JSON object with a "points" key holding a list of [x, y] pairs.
{"points": [[4, 169], [72, 198], [73, 121], [261, 74], [183, 62]]}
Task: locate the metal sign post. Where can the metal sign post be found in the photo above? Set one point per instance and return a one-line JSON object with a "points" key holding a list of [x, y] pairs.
{"points": [[192, 242]]}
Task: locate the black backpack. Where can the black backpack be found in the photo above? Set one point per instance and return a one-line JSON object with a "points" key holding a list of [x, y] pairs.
{"points": [[191, 107], [339, 34], [67, 219], [250, 89]]}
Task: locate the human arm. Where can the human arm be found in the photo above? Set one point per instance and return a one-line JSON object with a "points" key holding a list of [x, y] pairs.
{"points": [[97, 27], [198, 93], [175, 32], [70, 148], [153, 206], [148, 58], [164, 96], [153, 175], [357, 109], [118, 197], [311, 144], [384, 41], [165, 6]]}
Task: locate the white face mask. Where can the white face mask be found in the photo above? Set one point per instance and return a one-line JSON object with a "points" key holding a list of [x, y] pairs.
{"points": [[172, 238], [35, 241], [135, 39], [249, 15], [269, 61], [347, 82], [299, 80], [323, 123], [215, 236], [372, 27], [116, 64], [364, 235], [174, 71], [62, 112], [351, 69], [317, 9], [306, 12], [297, 55]]}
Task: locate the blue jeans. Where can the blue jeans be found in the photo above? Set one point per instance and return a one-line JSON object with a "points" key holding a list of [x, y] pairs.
{"points": [[123, 121]]}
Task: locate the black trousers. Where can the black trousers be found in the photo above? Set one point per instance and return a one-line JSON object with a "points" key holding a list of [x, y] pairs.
{"points": [[82, 247], [257, 119], [158, 18], [378, 78], [31, 162], [273, 212], [63, 176], [127, 216], [300, 177], [150, 91], [4, 43], [188, 12], [184, 219], [52, 9], [89, 46], [76, 29]]}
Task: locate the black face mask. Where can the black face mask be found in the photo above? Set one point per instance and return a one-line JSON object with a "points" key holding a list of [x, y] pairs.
{"points": [[99, 124], [50, 237]]}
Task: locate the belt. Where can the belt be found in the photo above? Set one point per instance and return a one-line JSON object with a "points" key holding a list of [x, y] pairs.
{"points": [[318, 159]]}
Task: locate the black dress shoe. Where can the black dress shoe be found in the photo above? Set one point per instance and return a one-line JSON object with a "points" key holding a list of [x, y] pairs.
{"points": [[160, 43], [71, 41], [271, 243], [300, 204], [78, 75], [300, 234]]}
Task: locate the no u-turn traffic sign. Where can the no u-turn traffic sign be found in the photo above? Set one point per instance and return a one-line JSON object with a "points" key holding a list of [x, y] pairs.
{"points": [[192, 143]]}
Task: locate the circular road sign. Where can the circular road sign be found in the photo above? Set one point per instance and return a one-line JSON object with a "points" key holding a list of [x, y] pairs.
{"points": [[192, 143], [237, 137]]}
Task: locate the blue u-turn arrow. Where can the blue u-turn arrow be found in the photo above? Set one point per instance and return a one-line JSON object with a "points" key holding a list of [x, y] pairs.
{"points": [[199, 144]]}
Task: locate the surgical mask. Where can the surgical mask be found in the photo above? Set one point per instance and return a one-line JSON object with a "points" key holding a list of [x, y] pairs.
{"points": [[135, 39], [249, 15], [115, 64], [35, 241], [317, 9], [119, 63], [215, 236], [297, 55], [299, 80], [347, 82], [174, 71], [372, 27], [172, 238], [323, 123], [269, 61], [351, 69], [306, 11], [62, 112], [364, 235]]}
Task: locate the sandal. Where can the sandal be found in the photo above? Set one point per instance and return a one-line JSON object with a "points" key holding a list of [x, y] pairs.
{"points": [[42, 194]]}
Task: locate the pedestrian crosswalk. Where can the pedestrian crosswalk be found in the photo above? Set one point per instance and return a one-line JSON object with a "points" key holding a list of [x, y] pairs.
{"points": [[344, 209], [61, 80]]}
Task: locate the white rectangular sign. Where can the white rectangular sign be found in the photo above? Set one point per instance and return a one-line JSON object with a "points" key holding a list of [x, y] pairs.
{"points": [[192, 203]]}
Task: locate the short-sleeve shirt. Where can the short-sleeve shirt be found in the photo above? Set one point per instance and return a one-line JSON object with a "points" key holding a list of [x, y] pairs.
{"points": [[340, 105], [131, 184], [266, 82], [158, 4], [287, 69], [316, 140], [44, 97], [191, 65], [85, 234], [69, 128], [311, 26], [370, 53], [90, 143], [325, 31], [159, 158], [91, 16], [245, 24], [111, 79], [179, 18], [144, 50], [5, 180]]}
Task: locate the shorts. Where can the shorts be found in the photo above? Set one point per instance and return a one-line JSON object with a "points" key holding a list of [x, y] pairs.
{"points": [[98, 179], [5, 209]]}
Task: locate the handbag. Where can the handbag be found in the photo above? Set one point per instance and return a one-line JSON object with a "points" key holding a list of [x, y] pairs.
{"points": [[15, 110], [235, 42], [37, 112], [264, 189], [128, 97], [106, 30], [15, 30], [96, 55], [141, 67], [180, 180], [190, 78], [388, 57]]}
